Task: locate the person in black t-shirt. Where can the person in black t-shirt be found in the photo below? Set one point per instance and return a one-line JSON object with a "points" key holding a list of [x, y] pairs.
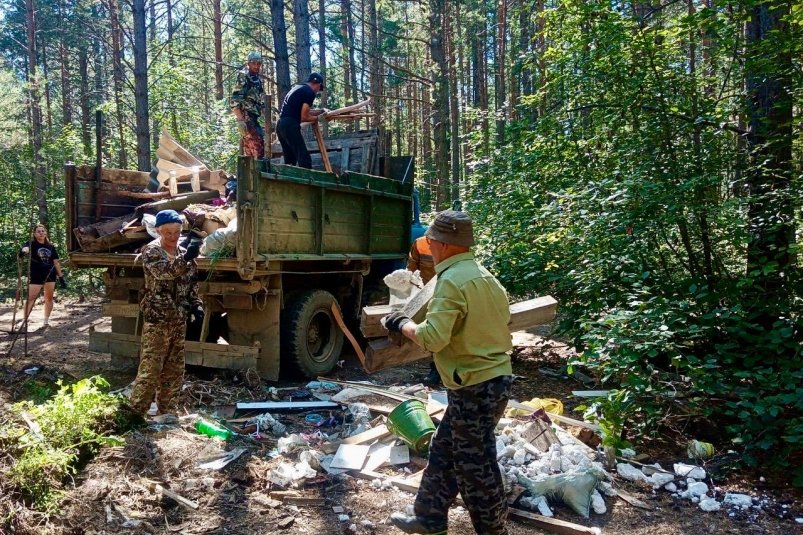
{"points": [[45, 269], [297, 109]]}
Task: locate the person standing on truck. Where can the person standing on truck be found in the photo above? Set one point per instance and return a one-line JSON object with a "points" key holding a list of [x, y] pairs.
{"points": [[170, 295], [45, 269], [466, 329], [247, 102], [297, 109], [420, 259]]}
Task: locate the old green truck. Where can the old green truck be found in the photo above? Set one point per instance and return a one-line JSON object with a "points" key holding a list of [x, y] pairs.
{"points": [[309, 245]]}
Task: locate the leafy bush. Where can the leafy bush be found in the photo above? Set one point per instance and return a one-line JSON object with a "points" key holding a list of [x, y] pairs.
{"points": [[78, 420], [627, 200]]}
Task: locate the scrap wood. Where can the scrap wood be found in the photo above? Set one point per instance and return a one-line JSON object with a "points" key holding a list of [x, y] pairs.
{"points": [[303, 501], [339, 319], [559, 417], [218, 462], [553, 525], [287, 405], [407, 484], [370, 435], [353, 107], [158, 488], [632, 500], [373, 389]]}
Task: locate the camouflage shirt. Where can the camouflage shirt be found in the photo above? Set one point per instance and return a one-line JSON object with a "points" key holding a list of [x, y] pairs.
{"points": [[170, 287], [248, 94]]}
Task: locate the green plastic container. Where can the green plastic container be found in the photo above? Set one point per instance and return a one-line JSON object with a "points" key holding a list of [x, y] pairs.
{"points": [[410, 422], [213, 430]]}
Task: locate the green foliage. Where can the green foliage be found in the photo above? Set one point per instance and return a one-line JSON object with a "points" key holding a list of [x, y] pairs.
{"points": [[74, 424], [627, 200]]}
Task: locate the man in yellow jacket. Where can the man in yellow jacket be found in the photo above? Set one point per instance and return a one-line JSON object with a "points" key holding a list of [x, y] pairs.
{"points": [[466, 329]]}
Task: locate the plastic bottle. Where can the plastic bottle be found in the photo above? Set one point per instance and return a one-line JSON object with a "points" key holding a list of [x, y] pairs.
{"points": [[213, 430]]}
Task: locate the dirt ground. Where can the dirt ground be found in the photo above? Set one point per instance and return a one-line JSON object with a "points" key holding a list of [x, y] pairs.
{"points": [[111, 493]]}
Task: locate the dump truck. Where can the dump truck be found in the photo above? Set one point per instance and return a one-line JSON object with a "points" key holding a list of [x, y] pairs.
{"points": [[310, 245]]}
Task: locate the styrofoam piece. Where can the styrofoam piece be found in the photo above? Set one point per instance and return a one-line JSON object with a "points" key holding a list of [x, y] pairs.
{"points": [[709, 504], [698, 489], [350, 456], [630, 472], [598, 503], [739, 500], [659, 479], [689, 470]]}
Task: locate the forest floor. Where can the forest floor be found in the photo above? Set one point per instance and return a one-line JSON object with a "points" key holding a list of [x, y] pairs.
{"points": [[109, 493]]}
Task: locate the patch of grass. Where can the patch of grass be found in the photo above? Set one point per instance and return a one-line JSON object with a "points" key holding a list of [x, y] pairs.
{"points": [[64, 431]]}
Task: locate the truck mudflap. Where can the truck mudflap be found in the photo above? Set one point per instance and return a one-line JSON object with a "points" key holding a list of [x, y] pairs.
{"points": [[124, 347]]}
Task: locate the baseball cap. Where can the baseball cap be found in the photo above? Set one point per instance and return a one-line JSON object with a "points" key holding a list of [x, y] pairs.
{"points": [[317, 79]]}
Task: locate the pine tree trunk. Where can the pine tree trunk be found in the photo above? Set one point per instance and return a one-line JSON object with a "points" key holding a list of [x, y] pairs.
{"points": [[83, 71], [66, 86], [45, 77], [118, 78], [769, 139], [141, 88], [37, 167], [279, 29], [440, 109], [218, 38], [303, 42], [374, 65], [499, 60], [322, 57], [454, 110]]}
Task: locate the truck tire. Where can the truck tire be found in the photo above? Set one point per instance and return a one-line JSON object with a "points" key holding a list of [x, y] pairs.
{"points": [[310, 338]]}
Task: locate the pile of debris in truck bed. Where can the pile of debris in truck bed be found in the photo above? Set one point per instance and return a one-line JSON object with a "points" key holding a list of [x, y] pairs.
{"points": [[126, 202]]}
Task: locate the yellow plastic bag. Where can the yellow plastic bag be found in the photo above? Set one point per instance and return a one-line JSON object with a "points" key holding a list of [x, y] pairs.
{"points": [[548, 404]]}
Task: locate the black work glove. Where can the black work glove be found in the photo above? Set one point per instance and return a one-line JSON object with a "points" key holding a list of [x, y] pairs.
{"points": [[193, 250], [395, 321], [62, 283], [197, 314]]}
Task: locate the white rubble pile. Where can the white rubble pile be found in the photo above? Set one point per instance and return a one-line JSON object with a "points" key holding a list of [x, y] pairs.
{"points": [[521, 462], [685, 482]]}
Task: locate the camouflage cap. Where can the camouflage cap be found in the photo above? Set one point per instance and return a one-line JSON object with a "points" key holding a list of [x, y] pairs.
{"points": [[453, 227], [254, 56]]}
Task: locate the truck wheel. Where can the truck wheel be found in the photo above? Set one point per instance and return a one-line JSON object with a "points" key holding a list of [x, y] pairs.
{"points": [[310, 338]]}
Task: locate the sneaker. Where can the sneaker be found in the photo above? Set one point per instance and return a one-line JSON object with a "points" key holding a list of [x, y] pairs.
{"points": [[413, 524], [154, 410]]}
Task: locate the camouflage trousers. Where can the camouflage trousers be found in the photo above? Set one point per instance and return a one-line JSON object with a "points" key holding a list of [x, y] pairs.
{"points": [[254, 140], [462, 458], [161, 366]]}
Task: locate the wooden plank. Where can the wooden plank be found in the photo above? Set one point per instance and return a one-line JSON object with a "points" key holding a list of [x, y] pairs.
{"points": [[277, 405], [178, 153], [236, 357], [553, 525], [316, 129], [384, 353], [557, 417], [177, 203], [125, 310], [527, 314], [370, 324], [406, 484]]}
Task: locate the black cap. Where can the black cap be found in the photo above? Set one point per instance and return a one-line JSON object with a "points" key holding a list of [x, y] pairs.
{"points": [[317, 79]]}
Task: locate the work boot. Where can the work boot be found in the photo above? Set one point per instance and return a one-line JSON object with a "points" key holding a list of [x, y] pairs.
{"points": [[414, 524]]}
